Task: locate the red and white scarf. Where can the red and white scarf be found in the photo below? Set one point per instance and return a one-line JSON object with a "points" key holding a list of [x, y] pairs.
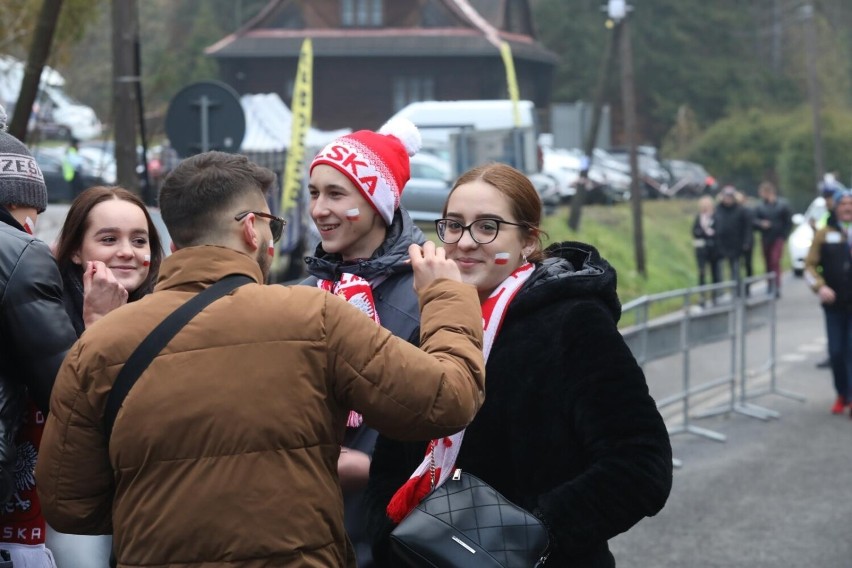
{"points": [[356, 291], [445, 451]]}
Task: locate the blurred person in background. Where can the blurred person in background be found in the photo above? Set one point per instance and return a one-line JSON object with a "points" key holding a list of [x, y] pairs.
{"points": [[748, 249], [363, 258], [733, 233], [704, 242], [827, 190], [828, 270], [773, 218], [72, 167]]}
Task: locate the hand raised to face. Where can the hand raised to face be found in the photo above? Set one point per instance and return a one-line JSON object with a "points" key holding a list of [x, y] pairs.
{"points": [[431, 263], [102, 292]]}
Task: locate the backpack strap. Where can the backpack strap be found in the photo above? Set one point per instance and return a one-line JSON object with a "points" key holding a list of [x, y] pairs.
{"points": [[158, 339]]}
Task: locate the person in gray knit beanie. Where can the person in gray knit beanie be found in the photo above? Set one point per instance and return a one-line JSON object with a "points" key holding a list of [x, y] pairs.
{"points": [[37, 333], [21, 180]]}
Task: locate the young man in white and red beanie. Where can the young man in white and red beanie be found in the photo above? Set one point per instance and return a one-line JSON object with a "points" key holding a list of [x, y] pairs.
{"points": [[355, 186], [35, 334]]}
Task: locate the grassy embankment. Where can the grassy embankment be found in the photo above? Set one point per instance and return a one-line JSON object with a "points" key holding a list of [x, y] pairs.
{"points": [[669, 256]]}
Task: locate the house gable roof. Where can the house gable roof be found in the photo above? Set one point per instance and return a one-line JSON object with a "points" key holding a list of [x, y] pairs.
{"points": [[446, 29]]}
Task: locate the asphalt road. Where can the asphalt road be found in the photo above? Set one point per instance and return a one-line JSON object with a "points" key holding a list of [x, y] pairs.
{"points": [[773, 494]]}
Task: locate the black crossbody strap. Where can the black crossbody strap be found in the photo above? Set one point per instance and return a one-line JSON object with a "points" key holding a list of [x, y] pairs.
{"points": [[158, 339]]}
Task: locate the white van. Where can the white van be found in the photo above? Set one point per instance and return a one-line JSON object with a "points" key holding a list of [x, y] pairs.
{"points": [[54, 111], [467, 133]]}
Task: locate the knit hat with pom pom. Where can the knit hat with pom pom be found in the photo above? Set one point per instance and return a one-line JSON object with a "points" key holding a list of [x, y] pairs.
{"points": [[376, 162], [21, 180]]}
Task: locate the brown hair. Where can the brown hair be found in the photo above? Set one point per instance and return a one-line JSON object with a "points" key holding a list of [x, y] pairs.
{"points": [[77, 222], [197, 193], [767, 186], [519, 190]]}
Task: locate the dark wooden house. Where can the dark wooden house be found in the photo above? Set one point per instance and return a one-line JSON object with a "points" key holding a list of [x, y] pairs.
{"points": [[373, 57]]}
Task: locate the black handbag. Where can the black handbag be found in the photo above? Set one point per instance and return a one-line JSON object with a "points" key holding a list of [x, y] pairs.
{"points": [[467, 523]]}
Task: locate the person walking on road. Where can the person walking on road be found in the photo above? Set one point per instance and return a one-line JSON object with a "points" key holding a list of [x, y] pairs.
{"points": [[775, 221], [225, 451], [72, 168], [828, 269], [733, 233], [748, 249], [704, 241], [363, 257], [569, 430]]}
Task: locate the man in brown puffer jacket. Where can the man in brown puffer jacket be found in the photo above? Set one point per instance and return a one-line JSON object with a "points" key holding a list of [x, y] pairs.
{"points": [[225, 451]]}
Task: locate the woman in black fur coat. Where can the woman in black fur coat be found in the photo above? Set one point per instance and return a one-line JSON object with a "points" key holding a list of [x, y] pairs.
{"points": [[568, 429]]}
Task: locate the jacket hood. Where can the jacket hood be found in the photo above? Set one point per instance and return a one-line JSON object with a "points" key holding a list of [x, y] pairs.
{"points": [[388, 259], [572, 270]]}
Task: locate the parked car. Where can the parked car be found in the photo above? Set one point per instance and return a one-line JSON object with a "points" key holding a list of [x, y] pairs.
{"points": [[564, 166], [55, 114], [425, 193], [690, 179], [655, 180], [58, 190], [548, 191], [802, 236], [431, 180]]}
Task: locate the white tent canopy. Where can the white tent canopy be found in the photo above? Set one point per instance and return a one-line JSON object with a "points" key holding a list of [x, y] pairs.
{"points": [[268, 125]]}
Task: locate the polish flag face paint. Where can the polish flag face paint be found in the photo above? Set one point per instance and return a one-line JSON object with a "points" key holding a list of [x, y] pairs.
{"points": [[271, 249], [353, 214], [29, 225], [146, 262], [501, 258]]}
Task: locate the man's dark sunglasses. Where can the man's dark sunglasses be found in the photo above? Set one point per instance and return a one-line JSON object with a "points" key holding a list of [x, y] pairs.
{"points": [[276, 224]]}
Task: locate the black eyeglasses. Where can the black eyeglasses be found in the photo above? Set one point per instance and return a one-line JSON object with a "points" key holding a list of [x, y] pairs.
{"points": [[276, 224], [482, 231]]}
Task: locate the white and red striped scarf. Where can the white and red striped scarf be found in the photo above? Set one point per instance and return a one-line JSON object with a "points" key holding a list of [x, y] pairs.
{"points": [[443, 452], [356, 291]]}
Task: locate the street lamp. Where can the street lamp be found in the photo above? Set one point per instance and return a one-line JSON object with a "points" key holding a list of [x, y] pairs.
{"points": [[617, 10]]}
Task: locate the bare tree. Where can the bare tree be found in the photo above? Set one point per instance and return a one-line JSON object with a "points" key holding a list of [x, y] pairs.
{"points": [[39, 50]]}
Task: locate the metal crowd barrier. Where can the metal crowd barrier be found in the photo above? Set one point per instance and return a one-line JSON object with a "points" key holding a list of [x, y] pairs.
{"points": [[724, 312]]}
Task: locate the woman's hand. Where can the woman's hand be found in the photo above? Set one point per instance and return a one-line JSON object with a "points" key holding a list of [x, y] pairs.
{"points": [[826, 295], [353, 469], [101, 292]]}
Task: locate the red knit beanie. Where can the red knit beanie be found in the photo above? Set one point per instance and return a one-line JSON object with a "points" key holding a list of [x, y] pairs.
{"points": [[376, 162]]}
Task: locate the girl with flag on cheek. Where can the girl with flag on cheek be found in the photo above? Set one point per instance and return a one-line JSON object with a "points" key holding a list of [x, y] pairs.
{"points": [[568, 429], [109, 253]]}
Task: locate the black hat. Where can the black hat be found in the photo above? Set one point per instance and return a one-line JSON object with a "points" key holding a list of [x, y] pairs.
{"points": [[21, 180]]}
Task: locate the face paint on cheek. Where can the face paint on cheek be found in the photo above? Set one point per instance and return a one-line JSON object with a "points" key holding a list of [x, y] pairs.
{"points": [[146, 261], [501, 258], [353, 214], [270, 250], [29, 225]]}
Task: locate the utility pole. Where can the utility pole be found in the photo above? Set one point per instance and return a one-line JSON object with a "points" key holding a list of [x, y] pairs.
{"points": [[125, 24], [814, 90], [628, 100], [39, 50], [579, 198], [777, 36]]}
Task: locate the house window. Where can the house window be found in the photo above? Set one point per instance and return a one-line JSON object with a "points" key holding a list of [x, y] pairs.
{"points": [[411, 89], [361, 13]]}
